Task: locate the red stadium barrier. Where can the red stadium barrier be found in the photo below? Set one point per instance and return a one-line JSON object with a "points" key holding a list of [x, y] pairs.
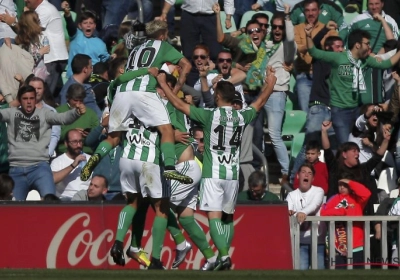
{"points": [[80, 236]]}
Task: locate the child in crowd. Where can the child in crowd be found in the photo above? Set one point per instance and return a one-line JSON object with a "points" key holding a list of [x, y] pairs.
{"points": [[6, 187], [83, 40], [321, 172]]}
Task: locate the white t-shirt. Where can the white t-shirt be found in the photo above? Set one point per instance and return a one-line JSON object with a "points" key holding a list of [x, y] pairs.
{"points": [[5, 29], [50, 20], [72, 183]]}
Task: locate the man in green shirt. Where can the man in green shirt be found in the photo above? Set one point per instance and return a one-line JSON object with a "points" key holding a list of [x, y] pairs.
{"points": [[257, 189], [347, 83]]}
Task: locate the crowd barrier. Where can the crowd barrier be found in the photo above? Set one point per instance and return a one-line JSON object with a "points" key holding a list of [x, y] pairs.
{"points": [[384, 261], [36, 235]]}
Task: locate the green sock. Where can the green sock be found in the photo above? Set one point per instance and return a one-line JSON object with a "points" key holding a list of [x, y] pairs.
{"points": [[218, 236], [138, 225], [168, 151], [174, 229], [197, 235], [103, 149], [124, 221], [229, 231], [159, 229]]}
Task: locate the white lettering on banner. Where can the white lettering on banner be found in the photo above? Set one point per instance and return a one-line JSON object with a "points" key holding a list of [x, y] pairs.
{"points": [[93, 244]]}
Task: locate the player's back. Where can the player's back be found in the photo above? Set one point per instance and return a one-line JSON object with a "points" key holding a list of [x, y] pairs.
{"points": [[141, 144], [222, 138], [152, 53]]}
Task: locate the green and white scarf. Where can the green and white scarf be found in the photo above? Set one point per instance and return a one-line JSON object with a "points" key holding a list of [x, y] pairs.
{"points": [[358, 86], [256, 74]]}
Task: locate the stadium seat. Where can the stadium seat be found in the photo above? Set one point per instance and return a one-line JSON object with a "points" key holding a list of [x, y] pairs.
{"points": [[293, 124], [348, 17], [73, 15], [247, 16], [290, 101], [223, 17], [33, 195], [387, 180]]}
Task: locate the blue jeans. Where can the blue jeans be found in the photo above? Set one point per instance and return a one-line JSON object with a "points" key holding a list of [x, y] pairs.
{"points": [[303, 88], [115, 11], [343, 121], [35, 177], [275, 109], [305, 256]]}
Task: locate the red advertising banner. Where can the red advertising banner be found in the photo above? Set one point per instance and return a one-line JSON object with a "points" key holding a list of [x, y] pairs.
{"points": [[81, 236]]}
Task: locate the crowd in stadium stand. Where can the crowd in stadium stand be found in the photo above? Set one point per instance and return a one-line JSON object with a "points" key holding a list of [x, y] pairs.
{"points": [[331, 67]]}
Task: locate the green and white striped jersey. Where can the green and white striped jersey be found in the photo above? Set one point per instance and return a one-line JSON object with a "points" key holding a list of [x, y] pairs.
{"points": [[180, 122], [223, 128], [153, 53], [142, 144]]}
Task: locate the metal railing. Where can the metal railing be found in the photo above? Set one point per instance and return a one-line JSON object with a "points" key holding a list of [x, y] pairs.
{"points": [[295, 237]]}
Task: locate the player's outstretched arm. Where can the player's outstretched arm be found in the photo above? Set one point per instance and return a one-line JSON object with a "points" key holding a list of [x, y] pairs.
{"points": [[266, 91], [175, 100], [186, 66]]}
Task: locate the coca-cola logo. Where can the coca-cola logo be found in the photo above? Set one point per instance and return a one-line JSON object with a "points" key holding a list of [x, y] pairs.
{"points": [[87, 246]]}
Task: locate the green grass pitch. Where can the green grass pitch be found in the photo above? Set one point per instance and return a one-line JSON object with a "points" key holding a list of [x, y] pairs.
{"points": [[60, 274]]}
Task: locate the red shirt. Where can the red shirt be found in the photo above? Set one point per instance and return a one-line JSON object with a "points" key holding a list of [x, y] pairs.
{"points": [[320, 178]]}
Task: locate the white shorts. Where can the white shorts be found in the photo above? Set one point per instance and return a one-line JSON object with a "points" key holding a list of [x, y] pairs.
{"points": [[146, 106], [218, 195], [143, 177], [185, 195]]}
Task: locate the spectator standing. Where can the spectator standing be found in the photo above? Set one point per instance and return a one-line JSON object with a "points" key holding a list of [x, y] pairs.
{"points": [[75, 98], [303, 66], [28, 132], [66, 168], [350, 201], [199, 21], [82, 68], [50, 20], [370, 22], [306, 201]]}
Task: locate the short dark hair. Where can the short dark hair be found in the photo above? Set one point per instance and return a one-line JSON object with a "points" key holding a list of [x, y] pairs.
{"points": [[87, 15], [76, 91], [115, 64], [330, 40], [102, 176], [356, 36], [260, 15], [100, 68], [279, 15], [313, 145], [170, 79], [24, 89], [6, 186], [252, 21], [257, 178], [226, 90], [79, 61], [51, 197], [308, 2], [225, 51], [308, 165]]}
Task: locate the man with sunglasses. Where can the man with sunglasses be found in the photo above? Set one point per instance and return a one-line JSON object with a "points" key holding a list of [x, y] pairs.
{"points": [[224, 72], [303, 65]]}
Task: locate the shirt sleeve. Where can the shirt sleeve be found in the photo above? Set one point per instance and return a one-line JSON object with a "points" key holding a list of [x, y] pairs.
{"points": [[331, 57], [372, 62], [171, 53], [199, 114], [229, 7]]}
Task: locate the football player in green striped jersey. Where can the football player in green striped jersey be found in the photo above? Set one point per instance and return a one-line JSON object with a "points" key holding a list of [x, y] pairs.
{"points": [[223, 128], [184, 196], [139, 97]]}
